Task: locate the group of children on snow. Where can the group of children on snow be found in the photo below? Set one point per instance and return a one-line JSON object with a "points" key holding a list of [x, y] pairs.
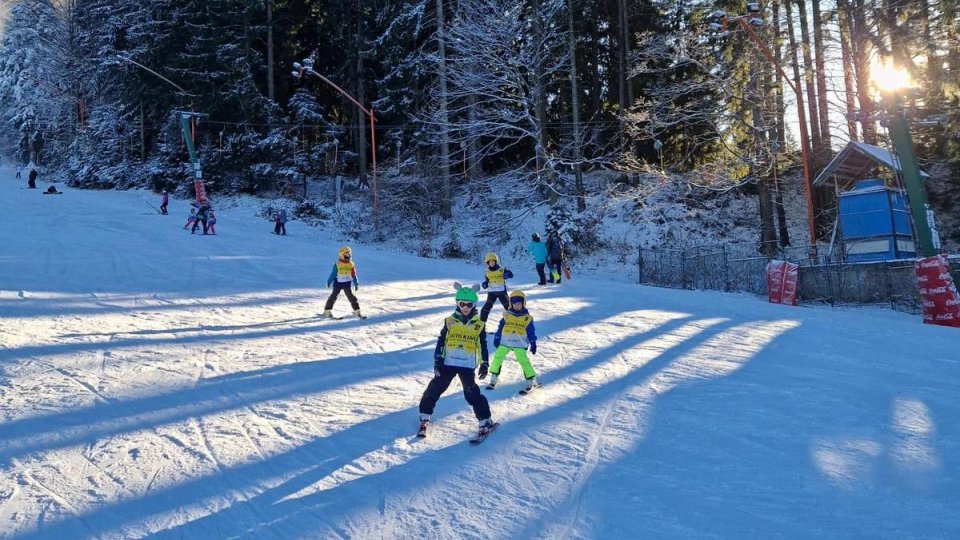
{"points": [[462, 343], [199, 214]]}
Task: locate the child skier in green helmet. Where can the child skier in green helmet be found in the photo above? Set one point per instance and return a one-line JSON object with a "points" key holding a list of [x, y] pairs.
{"points": [[461, 345], [515, 333]]}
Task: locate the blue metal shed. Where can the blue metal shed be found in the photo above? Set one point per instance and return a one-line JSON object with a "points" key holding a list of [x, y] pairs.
{"points": [[875, 223]]}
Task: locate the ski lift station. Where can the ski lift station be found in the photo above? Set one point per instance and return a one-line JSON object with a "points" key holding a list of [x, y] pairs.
{"points": [[874, 220]]}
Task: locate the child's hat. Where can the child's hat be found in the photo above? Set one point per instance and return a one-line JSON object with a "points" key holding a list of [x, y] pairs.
{"points": [[467, 294], [345, 250], [536, 237], [514, 295], [491, 257]]}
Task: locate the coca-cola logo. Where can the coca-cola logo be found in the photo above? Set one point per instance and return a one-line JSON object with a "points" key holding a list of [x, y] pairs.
{"points": [[945, 316], [950, 302], [922, 278], [928, 316], [945, 276], [929, 304], [924, 291], [938, 290], [931, 263]]}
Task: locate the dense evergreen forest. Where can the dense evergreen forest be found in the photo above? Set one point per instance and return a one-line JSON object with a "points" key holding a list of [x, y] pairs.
{"points": [[548, 91]]}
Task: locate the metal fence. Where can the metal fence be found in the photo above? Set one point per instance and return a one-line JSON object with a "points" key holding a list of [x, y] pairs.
{"points": [[823, 279]]}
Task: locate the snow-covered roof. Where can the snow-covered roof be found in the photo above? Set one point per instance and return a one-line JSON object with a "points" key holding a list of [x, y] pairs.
{"points": [[856, 162]]}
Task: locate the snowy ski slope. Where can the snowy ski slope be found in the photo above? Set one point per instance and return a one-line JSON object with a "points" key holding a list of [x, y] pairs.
{"points": [[158, 384]]}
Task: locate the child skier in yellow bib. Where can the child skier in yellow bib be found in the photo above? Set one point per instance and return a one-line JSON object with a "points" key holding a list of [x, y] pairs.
{"points": [[495, 282], [515, 333], [344, 274]]}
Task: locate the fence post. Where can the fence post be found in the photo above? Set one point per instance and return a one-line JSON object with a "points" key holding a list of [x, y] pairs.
{"points": [[726, 269], [683, 268], [640, 265]]}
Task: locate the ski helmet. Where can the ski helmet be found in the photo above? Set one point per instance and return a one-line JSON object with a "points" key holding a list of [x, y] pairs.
{"points": [[345, 250], [518, 295], [467, 294], [536, 237], [491, 257]]}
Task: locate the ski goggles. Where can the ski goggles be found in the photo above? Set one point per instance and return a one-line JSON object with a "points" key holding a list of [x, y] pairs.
{"points": [[465, 304]]}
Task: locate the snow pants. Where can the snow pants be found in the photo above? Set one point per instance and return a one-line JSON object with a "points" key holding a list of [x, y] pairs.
{"points": [[345, 287], [543, 277], [520, 353], [556, 270], [196, 223], [441, 381], [488, 305], [163, 209]]}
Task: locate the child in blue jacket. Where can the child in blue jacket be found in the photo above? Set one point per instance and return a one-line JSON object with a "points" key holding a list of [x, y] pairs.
{"points": [[515, 334]]}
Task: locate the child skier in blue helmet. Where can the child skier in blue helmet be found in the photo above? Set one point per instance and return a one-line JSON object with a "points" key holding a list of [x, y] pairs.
{"points": [[515, 334]]}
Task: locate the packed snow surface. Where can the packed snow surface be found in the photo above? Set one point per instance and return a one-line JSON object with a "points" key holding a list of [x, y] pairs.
{"points": [[154, 383]]}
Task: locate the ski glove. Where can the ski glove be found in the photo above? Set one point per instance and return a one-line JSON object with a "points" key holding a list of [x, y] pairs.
{"points": [[329, 284], [533, 347], [356, 285], [484, 368], [484, 284], [437, 364]]}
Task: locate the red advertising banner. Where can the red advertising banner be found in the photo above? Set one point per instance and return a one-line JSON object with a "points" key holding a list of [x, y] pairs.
{"points": [[782, 280], [938, 293]]}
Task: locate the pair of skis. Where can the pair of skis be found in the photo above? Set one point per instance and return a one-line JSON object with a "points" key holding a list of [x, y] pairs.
{"points": [[523, 392], [342, 317], [481, 435]]}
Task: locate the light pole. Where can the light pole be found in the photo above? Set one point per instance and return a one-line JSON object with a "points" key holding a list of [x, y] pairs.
{"points": [[891, 82], [306, 68], [747, 22]]}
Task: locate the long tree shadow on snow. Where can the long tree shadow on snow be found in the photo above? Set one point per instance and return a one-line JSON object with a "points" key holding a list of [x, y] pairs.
{"points": [[270, 507]]}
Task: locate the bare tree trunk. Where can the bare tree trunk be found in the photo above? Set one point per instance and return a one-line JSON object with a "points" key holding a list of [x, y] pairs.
{"points": [[768, 235], [861, 65], [446, 193], [781, 135], [270, 83], [794, 60], [809, 82], [818, 30], [575, 104], [143, 136], [540, 106], [847, 62]]}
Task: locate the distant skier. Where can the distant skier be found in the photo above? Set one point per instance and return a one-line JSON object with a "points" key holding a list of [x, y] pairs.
{"points": [[495, 283], [192, 218], [212, 222], [462, 345], [32, 178], [280, 223], [202, 215], [19, 170], [555, 257], [164, 201], [343, 275], [515, 334], [539, 251]]}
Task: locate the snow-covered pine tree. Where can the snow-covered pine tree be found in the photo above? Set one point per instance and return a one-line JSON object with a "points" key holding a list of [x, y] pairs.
{"points": [[32, 96]]}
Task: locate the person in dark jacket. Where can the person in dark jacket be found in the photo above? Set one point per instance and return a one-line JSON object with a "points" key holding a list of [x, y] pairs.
{"points": [[554, 257], [32, 178], [280, 223], [201, 218], [461, 346], [164, 201]]}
